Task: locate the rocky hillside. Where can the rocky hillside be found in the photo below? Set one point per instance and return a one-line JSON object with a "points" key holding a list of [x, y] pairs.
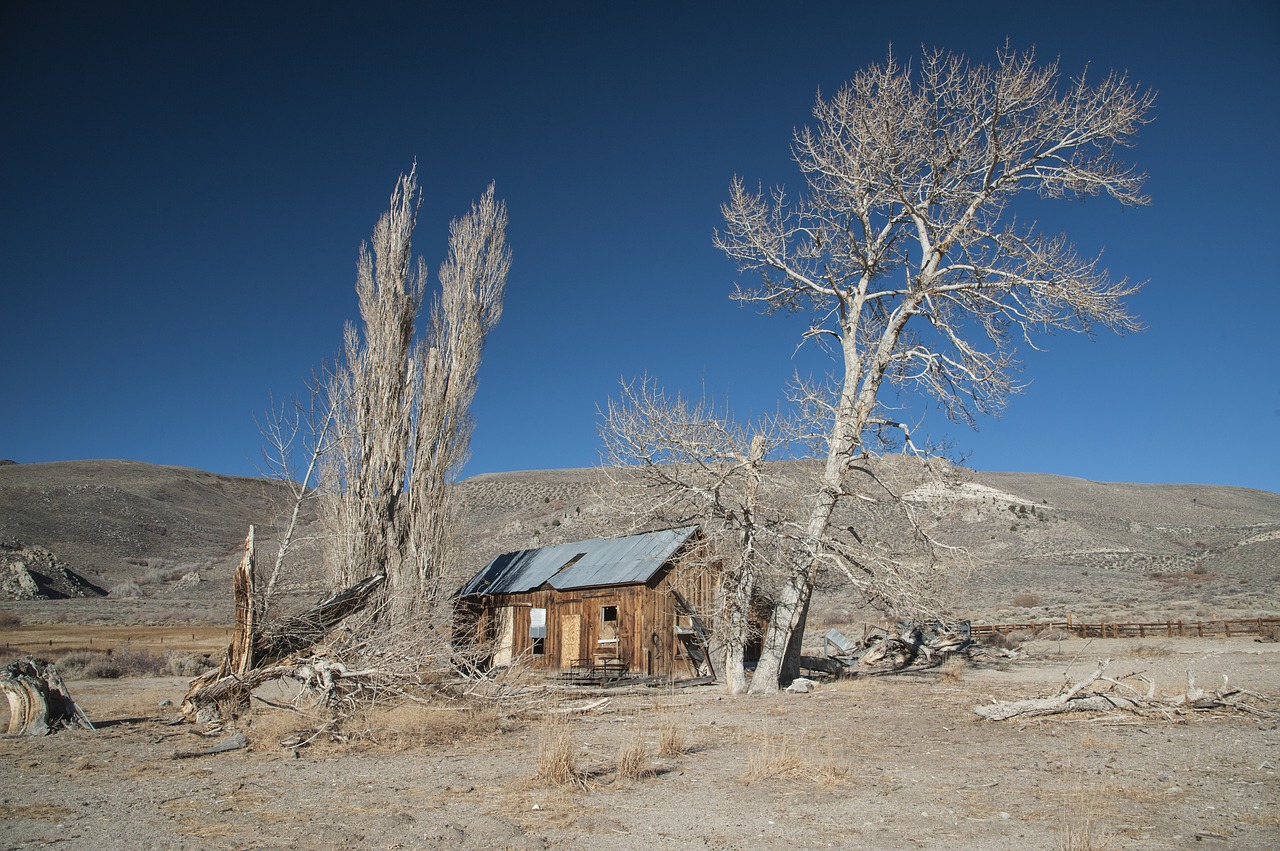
{"points": [[163, 539]]}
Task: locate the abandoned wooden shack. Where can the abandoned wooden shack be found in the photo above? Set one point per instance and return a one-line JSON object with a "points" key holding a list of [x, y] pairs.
{"points": [[638, 604]]}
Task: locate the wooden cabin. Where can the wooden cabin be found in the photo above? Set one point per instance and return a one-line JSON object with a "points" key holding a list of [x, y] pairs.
{"points": [[639, 604]]}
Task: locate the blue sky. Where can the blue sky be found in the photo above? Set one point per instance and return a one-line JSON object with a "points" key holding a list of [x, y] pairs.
{"points": [[183, 190]]}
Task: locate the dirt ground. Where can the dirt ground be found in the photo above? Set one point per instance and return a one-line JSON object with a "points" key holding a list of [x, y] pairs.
{"points": [[883, 762]]}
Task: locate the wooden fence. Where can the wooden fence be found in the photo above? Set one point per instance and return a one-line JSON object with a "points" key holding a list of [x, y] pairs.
{"points": [[1150, 629]]}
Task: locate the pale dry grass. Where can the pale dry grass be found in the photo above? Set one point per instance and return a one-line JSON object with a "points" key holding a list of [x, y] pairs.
{"points": [[557, 760], [633, 758], [1081, 827], [793, 758], [673, 737], [952, 669]]}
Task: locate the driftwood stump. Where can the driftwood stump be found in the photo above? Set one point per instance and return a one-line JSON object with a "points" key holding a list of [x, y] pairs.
{"points": [[39, 703]]}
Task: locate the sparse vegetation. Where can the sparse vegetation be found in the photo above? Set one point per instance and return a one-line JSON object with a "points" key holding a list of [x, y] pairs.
{"points": [[633, 758], [793, 758], [1027, 601], [952, 669], [113, 664], [672, 735], [125, 590], [557, 760]]}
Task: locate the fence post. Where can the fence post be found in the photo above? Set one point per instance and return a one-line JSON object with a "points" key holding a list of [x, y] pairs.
{"points": [[1226, 628]]}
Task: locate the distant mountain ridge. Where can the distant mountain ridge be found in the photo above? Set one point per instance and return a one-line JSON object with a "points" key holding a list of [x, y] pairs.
{"points": [[1070, 543]]}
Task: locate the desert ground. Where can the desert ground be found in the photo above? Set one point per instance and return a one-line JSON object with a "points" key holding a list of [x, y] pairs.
{"points": [[137, 559], [898, 761]]}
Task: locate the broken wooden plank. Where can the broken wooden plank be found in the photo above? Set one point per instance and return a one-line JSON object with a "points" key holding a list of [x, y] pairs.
{"points": [[231, 743]]}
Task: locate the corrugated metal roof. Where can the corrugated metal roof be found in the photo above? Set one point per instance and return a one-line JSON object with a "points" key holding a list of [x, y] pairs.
{"points": [[580, 564]]}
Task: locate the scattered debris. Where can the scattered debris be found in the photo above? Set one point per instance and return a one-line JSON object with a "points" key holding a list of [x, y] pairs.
{"points": [[39, 702], [908, 644]]}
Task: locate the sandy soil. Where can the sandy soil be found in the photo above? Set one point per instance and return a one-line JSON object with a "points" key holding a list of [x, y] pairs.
{"points": [[883, 762]]}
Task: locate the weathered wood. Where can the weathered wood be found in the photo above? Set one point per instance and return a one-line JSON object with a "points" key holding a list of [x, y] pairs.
{"points": [[1119, 696], [240, 653], [231, 743], [224, 691], [39, 702]]}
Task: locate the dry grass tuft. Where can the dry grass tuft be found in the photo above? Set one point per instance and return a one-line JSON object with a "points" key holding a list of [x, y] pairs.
{"points": [[1080, 829], [1027, 601], [672, 735], [1152, 651], [633, 758], [791, 759], [270, 728], [952, 669], [557, 763], [411, 724]]}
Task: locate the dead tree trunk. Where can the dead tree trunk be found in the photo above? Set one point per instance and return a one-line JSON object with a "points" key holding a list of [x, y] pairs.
{"points": [[256, 651]]}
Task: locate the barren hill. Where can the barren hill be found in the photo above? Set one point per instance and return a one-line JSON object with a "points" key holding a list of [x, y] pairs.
{"points": [[1043, 545]]}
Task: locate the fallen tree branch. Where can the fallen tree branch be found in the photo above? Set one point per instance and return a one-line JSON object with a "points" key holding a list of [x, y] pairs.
{"points": [[1118, 695]]}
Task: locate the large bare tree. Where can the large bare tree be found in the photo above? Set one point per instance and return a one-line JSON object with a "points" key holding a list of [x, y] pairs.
{"points": [[904, 250], [674, 461], [401, 398]]}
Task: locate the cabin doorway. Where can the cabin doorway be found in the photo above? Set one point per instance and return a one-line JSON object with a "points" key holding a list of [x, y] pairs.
{"points": [[570, 640]]}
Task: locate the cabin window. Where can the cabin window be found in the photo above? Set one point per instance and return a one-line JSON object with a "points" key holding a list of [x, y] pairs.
{"points": [[538, 631], [608, 625]]}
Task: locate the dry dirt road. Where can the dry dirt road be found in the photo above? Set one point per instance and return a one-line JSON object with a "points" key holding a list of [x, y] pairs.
{"points": [[882, 762]]}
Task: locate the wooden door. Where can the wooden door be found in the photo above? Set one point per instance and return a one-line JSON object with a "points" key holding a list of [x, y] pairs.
{"points": [[570, 639], [504, 635]]}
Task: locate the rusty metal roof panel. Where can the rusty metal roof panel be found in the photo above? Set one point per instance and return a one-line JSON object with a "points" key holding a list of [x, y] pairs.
{"points": [[580, 564]]}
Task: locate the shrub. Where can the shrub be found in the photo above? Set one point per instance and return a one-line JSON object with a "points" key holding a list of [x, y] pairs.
{"points": [[1004, 640], [124, 590], [113, 664], [1027, 601], [188, 664], [10, 619]]}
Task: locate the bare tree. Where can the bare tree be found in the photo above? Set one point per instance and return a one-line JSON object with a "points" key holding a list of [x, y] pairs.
{"points": [[904, 250], [676, 462], [298, 436], [401, 401]]}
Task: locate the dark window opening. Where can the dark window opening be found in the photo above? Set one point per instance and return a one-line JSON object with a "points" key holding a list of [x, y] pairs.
{"points": [[608, 625]]}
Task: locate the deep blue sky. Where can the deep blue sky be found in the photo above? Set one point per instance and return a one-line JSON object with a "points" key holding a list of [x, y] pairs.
{"points": [[184, 187]]}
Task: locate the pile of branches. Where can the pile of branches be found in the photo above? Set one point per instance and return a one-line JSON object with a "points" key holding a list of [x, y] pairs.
{"points": [[906, 645], [314, 650], [1101, 693], [924, 645]]}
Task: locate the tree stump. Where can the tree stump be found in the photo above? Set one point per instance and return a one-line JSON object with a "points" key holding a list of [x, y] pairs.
{"points": [[39, 703]]}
